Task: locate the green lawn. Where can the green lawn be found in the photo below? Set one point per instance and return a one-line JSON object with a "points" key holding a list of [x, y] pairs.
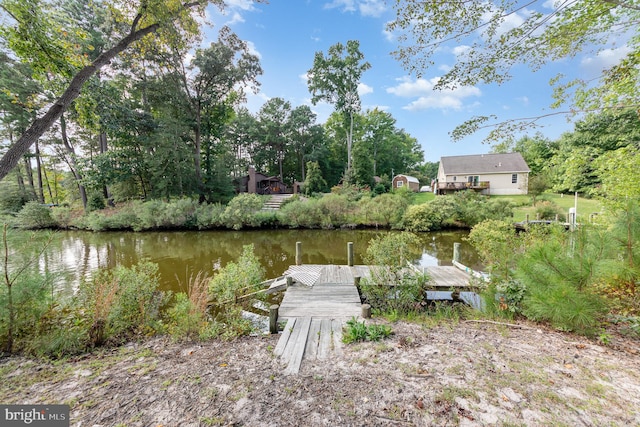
{"points": [[585, 206], [523, 205], [420, 198]]}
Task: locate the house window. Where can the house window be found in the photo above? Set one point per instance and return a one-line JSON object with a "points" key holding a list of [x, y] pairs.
{"points": [[399, 184], [514, 178], [454, 178]]}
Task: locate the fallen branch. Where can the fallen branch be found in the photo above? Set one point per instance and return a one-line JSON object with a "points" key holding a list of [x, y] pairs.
{"points": [[511, 325]]}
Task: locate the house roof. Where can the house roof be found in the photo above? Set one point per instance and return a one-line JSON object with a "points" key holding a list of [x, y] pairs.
{"points": [[484, 164], [409, 178]]}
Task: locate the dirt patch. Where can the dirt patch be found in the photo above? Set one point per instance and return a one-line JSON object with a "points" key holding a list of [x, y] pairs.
{"points": [[467, 374]]}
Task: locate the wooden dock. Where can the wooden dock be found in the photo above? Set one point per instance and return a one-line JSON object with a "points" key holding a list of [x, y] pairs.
{"points": [[320, 301]]}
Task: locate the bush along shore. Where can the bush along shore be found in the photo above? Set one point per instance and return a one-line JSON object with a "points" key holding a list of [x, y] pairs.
{"points": [[343, 208]]}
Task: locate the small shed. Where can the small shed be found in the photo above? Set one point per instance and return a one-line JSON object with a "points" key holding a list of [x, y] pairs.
{"points": [[410, 182]]}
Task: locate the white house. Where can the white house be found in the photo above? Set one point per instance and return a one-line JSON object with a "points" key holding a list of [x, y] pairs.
{"points": [[500, 174]]}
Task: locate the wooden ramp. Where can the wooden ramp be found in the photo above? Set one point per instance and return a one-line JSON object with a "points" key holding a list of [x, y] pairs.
{"points": [[309, 338], [321, 299]]}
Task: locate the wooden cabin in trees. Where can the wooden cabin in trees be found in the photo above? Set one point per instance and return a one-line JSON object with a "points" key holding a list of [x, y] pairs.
{"points": [[257, 183]]}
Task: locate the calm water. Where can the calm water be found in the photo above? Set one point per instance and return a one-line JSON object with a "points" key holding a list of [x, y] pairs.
{"points": [[179, 254]]}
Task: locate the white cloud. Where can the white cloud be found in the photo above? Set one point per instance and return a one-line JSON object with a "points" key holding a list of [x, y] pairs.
{"points": [[606, 58], [345, 5], [240, 4], [364, 89], [427, 97], [388, 35], [252, 49], [524, 100], [235, 19], [373, 8]]}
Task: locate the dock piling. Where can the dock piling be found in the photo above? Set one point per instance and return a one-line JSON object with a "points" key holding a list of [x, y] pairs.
{"points": [[350, 254], [456, 251], [298, 253], [273, 318]]}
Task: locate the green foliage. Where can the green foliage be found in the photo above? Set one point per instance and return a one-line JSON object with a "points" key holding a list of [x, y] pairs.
{"points": [[558, 270], [237, 278], [392, 286], [356, 331], [209, 215], [95, 202], [497, 245], [35, 215], [62, 216], [336, 209], [188, 316], [307, 214], [548, 210], [385, 210], [430, 216], [241, 210], [12, 198], [31, 299], [314, 182], [122, 302]]}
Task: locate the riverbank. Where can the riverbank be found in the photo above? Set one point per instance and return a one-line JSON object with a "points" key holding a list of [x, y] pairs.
{"points": [[463, 373]]}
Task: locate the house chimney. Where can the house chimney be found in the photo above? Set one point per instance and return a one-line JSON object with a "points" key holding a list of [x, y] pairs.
{"points": [[251, 183]]}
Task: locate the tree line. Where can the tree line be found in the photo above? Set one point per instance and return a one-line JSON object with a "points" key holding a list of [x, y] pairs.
{"points": [[158, 123]]}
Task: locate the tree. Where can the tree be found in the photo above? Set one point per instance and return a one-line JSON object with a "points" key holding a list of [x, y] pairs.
{"points": [[34, 36], [496, 45], [314, 183], [274, 122], [335, 79]]}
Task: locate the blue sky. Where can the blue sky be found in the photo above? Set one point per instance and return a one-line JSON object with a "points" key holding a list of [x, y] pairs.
{"points": [[286, 34]]}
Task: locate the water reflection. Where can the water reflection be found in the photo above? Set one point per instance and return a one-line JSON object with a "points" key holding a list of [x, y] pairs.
{"points": [[179, 254]]}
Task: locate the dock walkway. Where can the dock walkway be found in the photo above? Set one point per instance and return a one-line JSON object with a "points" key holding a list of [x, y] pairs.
{"points": [[322, 298]]}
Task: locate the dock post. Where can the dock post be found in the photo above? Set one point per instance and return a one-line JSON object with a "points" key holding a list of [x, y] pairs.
{"points": [[273, 319], [350, 254], [456, 252], [289, 281], [366, 311], [298, 253]]}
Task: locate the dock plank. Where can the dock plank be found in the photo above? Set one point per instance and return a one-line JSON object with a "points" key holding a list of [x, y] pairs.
{"points": [[300, 344], [324, 347], [284, 338]]}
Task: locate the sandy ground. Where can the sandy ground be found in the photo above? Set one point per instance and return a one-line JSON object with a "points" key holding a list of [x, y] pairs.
{"points": [[466, 374]]}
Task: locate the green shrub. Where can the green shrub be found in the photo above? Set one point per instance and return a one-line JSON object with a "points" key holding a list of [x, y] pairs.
{"points": [[122, 302], [241, 211], [306, 214], [385, 210], [31, 299], [392, 287], [180, 213], [209, 216], [188, 316], [429, 216], [548, 210], [62, 216], [356, 331], [498, 244], [12, 198], [34, 215], [336, 209], [237, 278], [95, 202], [149, 214], [558, 271]]}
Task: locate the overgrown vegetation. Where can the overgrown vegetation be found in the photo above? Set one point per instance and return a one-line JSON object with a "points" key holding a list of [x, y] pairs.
{"points": [[392, 287], [570, 280], [116, 305]]}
